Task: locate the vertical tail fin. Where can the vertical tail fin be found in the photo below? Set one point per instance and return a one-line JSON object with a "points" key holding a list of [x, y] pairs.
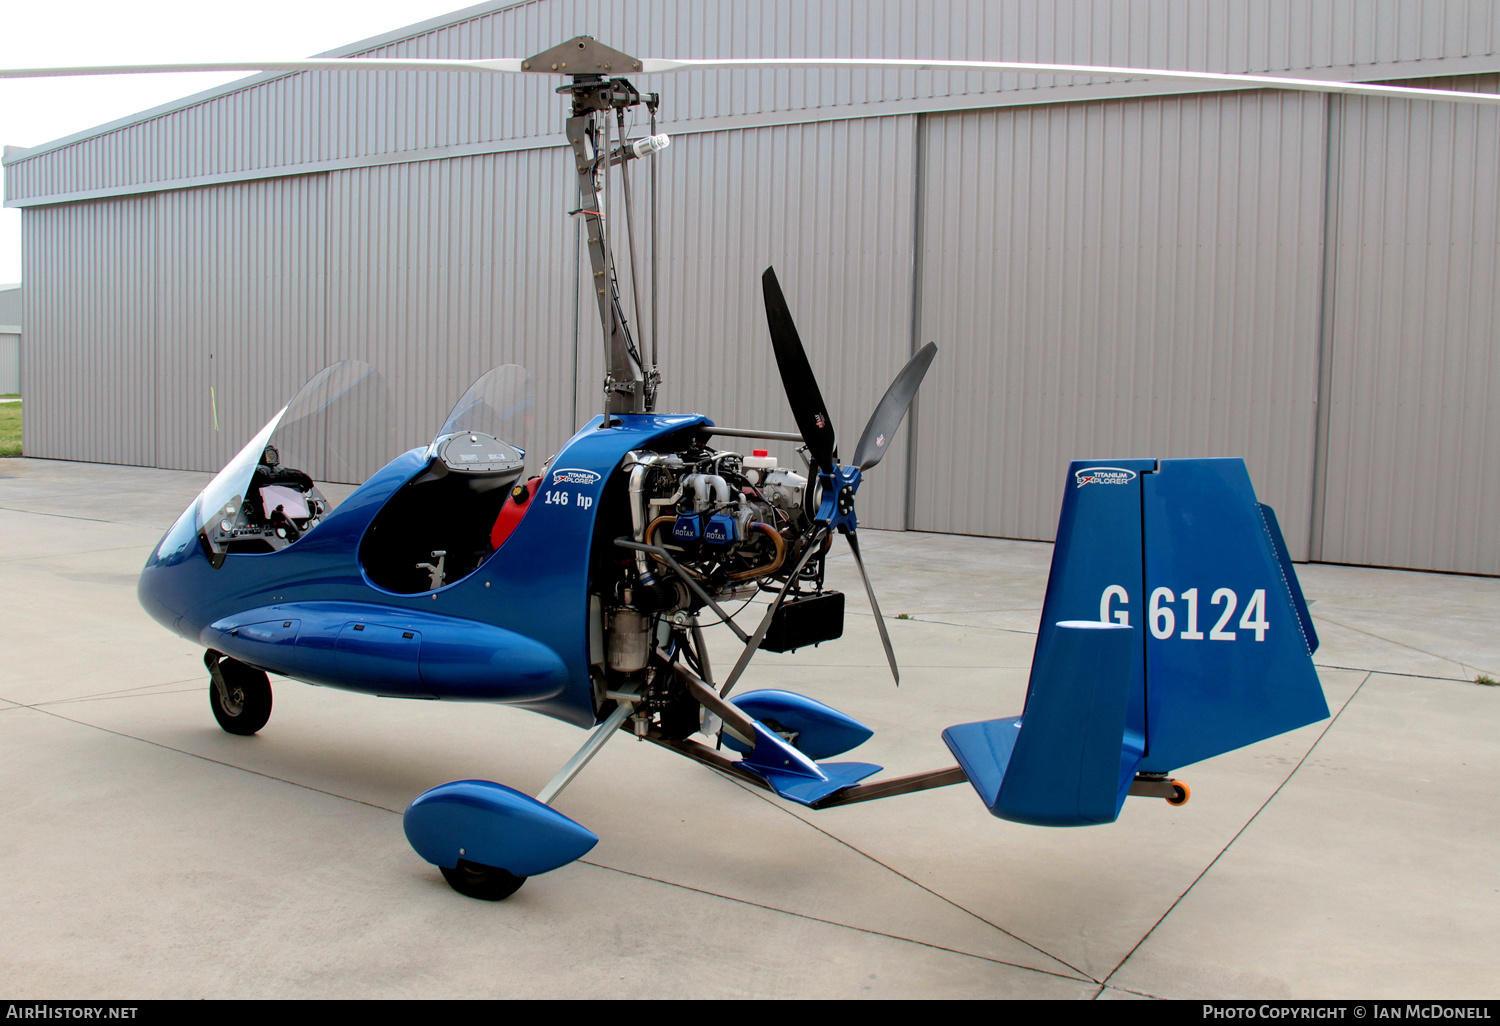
{"points": [[1228, 639], [1218, 655]]}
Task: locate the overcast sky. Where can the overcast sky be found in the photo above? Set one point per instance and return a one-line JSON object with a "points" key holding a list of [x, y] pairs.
{"points": [[149, 31]]}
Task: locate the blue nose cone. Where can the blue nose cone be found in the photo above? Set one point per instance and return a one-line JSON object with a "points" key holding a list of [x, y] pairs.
{"points": [[172, 572]]}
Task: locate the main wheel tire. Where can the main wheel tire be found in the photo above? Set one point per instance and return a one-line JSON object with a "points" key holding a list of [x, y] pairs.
{"points": [[487, 883], [249, 704]]}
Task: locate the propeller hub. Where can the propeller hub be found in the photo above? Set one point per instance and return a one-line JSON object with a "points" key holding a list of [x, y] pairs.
{"points": [[836, 508]]}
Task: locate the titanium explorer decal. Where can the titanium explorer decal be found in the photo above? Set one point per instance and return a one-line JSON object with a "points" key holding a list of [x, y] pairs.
{"points": [[1104, 475], [580, 477]]}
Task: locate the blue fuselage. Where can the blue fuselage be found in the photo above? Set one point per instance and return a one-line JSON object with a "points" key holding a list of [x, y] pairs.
{"points": [[513, 631]]}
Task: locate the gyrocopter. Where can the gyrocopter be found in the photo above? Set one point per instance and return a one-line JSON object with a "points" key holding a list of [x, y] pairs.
{"points": [[1173, 627]]}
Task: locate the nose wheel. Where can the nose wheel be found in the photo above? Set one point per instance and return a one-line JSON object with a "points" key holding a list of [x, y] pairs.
{"points": [[239, 695]]}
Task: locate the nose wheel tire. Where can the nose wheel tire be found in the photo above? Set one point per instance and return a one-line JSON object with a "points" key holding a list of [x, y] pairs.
{"points": [[244, 705], [487, 883]]}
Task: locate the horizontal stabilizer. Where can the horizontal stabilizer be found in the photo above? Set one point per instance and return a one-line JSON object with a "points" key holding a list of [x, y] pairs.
{"points": [[1069, 759], [834, 776], [793, 775]]}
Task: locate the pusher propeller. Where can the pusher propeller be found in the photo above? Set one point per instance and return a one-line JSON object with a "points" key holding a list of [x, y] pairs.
{"points": [[892, 409], [839, 482], [797, 378]]}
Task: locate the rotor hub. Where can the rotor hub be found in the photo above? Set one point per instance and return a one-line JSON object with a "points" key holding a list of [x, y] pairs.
{"points": [[581, 55]]}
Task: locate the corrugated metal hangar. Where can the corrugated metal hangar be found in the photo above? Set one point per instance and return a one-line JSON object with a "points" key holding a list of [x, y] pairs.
{"points": [[1110, 268], [10, 338]]}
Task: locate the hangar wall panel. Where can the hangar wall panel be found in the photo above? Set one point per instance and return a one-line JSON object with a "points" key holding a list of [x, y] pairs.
{"points": [[829, 205], [293, 120], [442, 269], [1127, 278], [1413, 464], [240, 275], [217, 303], [91, 354]]}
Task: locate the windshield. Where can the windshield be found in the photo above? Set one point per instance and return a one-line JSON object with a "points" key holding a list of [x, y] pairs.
{"points": [[500, 405], [333, 435], [337, 428]]}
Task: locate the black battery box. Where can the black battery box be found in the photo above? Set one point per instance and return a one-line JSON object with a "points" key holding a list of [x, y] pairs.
{"points": [[805, 620]]}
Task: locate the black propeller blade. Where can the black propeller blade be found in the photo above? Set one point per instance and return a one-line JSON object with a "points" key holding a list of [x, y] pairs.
{"points": [[871, 450], [892, 409], [808, 408], [885, 639], [817, 427]]}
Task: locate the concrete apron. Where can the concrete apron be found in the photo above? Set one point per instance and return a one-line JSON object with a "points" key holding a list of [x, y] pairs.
{"points": [[147, 853]]}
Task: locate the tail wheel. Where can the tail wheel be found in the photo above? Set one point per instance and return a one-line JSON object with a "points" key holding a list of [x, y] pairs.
{"points": [[243, 704], [487, 883], [1180, 793]]}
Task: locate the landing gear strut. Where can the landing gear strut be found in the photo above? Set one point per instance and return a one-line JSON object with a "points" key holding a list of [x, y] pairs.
{"points": [[239, 695], [466, 821]]}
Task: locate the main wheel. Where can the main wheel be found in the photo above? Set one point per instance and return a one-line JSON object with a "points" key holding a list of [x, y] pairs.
{"points": [[488, 883], [247, 706]]}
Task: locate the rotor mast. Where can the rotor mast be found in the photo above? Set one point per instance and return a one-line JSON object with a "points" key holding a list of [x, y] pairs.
{"points": [[598, 99]]}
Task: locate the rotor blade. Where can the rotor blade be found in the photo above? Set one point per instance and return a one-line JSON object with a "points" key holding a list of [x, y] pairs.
{"points": [[1314, 85], [808, 408], [650, 65], [309, 64], [885, 639], [892, 409]]}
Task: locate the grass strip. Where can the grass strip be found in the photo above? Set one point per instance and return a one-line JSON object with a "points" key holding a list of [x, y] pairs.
{"points": [[10, 429]]}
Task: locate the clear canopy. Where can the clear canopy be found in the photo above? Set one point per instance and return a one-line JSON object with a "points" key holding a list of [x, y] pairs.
{"points": [[335, 432], [338, 427], [500, 404]]}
